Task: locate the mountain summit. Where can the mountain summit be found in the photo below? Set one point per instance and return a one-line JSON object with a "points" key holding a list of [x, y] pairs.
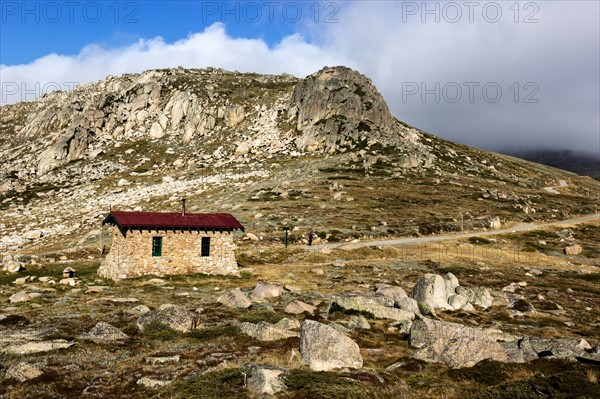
{"points": [[323, 151]]}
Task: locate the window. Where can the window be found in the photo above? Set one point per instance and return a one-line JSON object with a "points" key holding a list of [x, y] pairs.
{"points": [[205, 246], [156, 246]]}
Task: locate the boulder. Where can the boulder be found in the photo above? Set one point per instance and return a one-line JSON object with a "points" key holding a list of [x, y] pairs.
{"points": [[464, 291], [408, 304], [104, 333], [20, 296], [235, 299], [22, 280], [267, 290], [28, 348], [358, 323], [323, 348], [174, 317], [527, 348], [574, 249], [266, 332], [482, 298], [138, 310], [154, 360], [376, 306], [242, 149], [13, 266], [22, 372], [71, 282], [458, 301], [156, 131], [265, 380], [522, 305], [33, 234], [393, 292], [451, 283], [287, 324], [431, 289], [455, 344], [495, 223], [299, 307]]}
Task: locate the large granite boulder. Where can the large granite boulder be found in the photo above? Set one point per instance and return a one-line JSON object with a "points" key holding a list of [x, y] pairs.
{"points": [[431, 289], [324, 348]]}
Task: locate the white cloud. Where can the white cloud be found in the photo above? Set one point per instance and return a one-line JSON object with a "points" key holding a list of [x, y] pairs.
{"points": [[212, 47], [559, 54]]}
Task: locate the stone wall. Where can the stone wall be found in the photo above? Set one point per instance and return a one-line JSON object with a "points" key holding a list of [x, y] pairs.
{"points": [[131, 256]]}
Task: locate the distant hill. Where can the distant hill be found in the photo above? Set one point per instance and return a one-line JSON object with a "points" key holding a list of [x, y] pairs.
{"points": [[581, 163]]}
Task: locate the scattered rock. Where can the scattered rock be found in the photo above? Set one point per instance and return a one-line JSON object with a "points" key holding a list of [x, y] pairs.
{"points": [[266, 332], [287, 324], [162, 360], [495, 223], [36, 347], [574, 249], [13, 266], [408, 304], [173, 316], [33, 234], [292, 288], [377, 306], [104, 333], [235, 299], [20, 296], [323, 348], [267, 290], [71, 282], [466, 292], [522, 305], [299, 307], [451, 284], [22, 372], [396, 293], [482, 298], [358, 323], [152, 383], [458, 301], [95, 289], [264, 380], [455, 344], [431, 289], [22, 280]]}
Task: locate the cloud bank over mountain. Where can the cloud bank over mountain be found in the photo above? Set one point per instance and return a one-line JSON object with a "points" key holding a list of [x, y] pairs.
{"points": [[487, 76]]}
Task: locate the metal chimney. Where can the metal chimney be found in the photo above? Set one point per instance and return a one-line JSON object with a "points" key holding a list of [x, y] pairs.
{"points": [[183, 207]]}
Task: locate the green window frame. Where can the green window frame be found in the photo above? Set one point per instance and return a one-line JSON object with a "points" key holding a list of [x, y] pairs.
{"points": [[156, 246], [205, 248]]}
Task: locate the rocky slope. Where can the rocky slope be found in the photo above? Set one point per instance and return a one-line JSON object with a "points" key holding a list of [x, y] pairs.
{"points": [[289, 149]]}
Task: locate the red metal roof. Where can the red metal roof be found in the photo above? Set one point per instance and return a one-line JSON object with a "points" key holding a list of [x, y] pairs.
{"points": [[172, 220]]}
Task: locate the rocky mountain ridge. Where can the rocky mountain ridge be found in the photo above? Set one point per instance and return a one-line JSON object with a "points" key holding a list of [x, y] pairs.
{"points": [[235, 142]]}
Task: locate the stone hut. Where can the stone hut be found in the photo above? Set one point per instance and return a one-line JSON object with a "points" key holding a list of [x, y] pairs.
{"points": [[166, 243]]}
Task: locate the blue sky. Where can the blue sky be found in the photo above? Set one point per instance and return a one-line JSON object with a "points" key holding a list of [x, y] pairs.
{"points": [[32, 29], [532, 68]]}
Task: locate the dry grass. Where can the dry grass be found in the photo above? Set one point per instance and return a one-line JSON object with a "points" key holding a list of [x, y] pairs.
{"points": [[113, 371]]}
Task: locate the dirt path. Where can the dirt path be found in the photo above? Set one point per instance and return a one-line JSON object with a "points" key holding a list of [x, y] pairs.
{"points": [[420, 240]]}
